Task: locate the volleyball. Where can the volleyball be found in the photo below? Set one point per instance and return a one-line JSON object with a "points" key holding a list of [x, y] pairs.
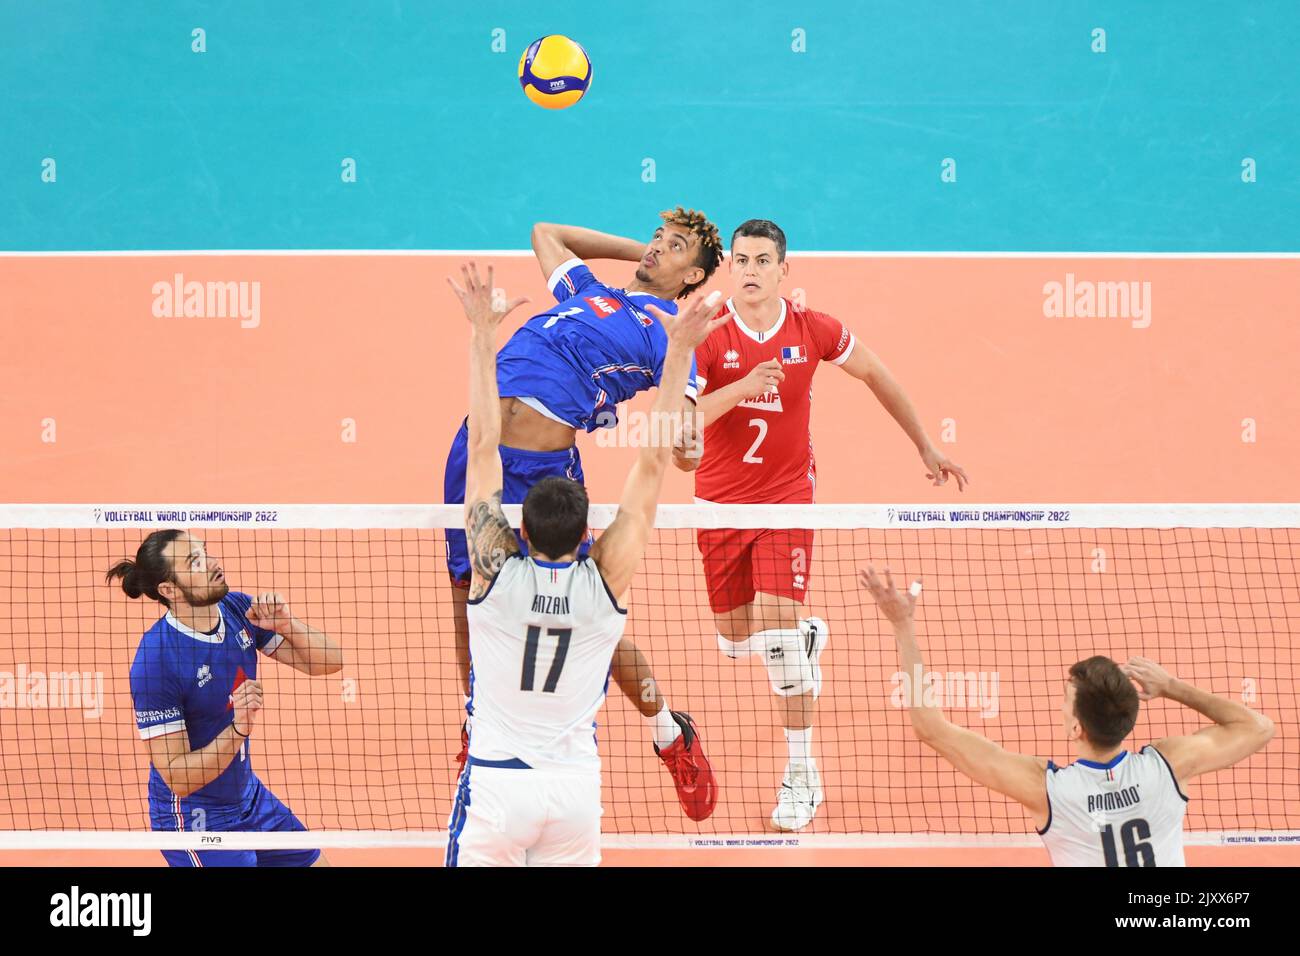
{"points": [[554, 72]]}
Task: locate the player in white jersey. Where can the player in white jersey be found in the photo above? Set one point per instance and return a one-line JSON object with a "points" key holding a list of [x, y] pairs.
{"points": [[543, 627], [1110, 807]]}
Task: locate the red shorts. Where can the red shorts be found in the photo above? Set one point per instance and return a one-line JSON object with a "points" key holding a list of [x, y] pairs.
{"points": [[739, 563]]}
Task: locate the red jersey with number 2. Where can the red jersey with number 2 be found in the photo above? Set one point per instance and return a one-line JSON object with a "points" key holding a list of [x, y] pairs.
{"points": [[761, 450]]}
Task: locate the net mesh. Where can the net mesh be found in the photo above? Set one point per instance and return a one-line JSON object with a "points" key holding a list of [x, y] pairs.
{"points": [[1005, 611]]}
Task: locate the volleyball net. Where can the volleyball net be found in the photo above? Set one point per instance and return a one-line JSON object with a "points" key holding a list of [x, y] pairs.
{"points": [[366, 757]]}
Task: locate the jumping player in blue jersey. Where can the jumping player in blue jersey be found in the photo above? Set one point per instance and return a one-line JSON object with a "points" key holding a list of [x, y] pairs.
{"points": [[197, 697], [567, 368]]}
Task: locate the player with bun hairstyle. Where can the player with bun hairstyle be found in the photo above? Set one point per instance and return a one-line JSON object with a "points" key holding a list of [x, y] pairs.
{"points": [[197, 696]]}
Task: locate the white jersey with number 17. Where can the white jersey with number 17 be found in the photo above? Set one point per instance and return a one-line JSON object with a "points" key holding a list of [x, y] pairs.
{"points": [[541, 639]]}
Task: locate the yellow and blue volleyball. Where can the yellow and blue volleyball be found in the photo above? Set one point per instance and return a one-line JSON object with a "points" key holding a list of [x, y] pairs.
{"points": [[555, 72]]}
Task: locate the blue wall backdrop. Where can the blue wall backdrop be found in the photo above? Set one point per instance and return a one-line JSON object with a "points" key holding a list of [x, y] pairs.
{"points": [[1057, 147]]}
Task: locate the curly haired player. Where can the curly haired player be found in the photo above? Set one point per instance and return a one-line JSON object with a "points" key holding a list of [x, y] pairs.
{"points": [[567, 368], [544, 625]]}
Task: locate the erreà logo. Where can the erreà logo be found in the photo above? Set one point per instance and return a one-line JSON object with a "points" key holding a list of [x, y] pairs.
{"points": [[771, 402]]}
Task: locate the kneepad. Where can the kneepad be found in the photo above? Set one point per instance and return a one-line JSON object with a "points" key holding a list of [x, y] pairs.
{"points": [[786, 658]]}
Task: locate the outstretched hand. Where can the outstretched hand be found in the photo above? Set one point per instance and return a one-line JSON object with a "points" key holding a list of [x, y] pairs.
{"points": [[693, 324], [896, 605], [481, 308], [939, 468]]}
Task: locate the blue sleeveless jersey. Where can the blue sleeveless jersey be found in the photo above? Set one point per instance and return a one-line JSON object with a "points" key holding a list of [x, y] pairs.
{"points": [[594, 350]]}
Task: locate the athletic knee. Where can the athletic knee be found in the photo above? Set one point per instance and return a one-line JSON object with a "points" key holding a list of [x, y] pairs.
{"points": [[789, 668]]}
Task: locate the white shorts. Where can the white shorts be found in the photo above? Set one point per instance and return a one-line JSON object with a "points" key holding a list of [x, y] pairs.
{"points": [[515, 817]]}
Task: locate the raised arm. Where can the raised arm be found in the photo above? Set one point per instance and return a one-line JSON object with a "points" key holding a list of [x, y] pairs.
{"points": [[555, 245], [1018, 776], [1237, 733], [865, 365], [618, 551], [302, 647], [490, 538]]}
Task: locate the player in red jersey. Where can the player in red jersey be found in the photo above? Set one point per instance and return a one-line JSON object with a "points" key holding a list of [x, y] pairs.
{"points": [[755, 380]]}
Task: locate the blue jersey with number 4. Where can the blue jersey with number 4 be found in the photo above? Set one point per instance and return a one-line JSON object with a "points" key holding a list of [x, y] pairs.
{"points": [[594, 350]]}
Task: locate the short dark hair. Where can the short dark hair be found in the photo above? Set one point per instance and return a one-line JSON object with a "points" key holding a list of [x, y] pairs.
{"points": [[762, 229], [150, 568], [1105, 701], [555, 516]]}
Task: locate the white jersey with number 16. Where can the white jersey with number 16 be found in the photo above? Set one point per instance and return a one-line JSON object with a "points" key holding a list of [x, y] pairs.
{"points": [[1128, 812]]}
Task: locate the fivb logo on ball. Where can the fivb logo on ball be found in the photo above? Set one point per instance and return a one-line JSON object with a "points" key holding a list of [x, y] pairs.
{"points": [[554, 72]]}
